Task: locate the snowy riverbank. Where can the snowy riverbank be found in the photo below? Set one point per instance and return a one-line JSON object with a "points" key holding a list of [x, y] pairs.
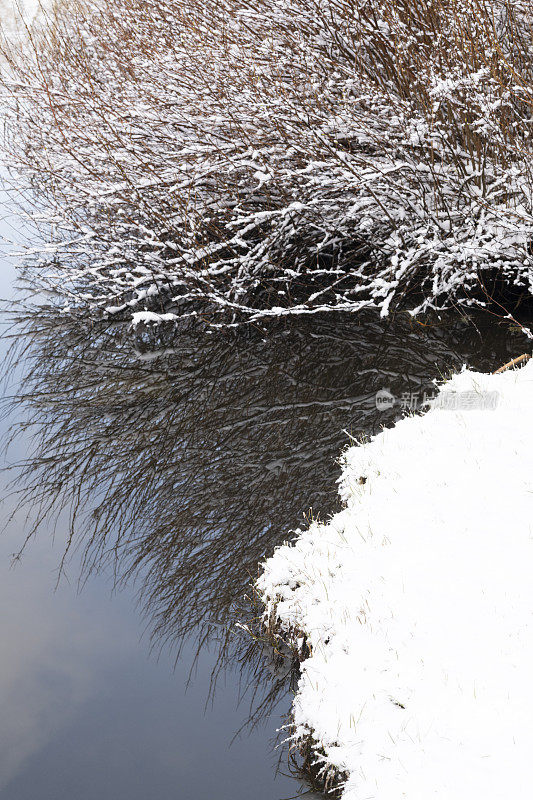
{"points": [[416, 604]]}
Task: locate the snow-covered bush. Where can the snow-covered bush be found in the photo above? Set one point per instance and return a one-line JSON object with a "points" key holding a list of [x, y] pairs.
{"points": [[247, 158]]}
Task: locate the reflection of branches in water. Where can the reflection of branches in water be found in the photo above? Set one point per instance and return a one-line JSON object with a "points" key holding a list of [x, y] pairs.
{"points": [[185, 457]]}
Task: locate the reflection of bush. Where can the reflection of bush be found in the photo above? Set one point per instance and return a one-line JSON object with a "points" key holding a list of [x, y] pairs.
{"points": [[184, 460], [279, 157]]}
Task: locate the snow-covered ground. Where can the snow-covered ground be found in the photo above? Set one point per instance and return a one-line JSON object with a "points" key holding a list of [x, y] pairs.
{"points": [[416, 602]]}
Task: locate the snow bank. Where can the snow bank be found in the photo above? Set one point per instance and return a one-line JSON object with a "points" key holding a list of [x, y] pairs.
{"points": [[416, 602]]}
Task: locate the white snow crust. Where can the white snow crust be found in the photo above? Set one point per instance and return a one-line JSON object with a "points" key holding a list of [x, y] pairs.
{"points": [[417, 604]]}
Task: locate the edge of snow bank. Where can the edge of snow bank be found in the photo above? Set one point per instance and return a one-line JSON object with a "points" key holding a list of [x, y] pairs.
{"points": [[409, 609]]}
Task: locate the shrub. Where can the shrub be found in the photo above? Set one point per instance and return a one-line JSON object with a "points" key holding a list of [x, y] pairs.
{"points": [[265, 157]]}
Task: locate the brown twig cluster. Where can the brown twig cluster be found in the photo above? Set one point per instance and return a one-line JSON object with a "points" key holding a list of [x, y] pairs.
{"points": [[242, 160]]}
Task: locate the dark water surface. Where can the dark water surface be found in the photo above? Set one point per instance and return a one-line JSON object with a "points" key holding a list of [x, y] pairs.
{"points": [[175, 461], [86, 712]]}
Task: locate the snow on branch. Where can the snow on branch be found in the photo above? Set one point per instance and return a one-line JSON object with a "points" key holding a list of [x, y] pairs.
{"points": [[249, 159]]}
